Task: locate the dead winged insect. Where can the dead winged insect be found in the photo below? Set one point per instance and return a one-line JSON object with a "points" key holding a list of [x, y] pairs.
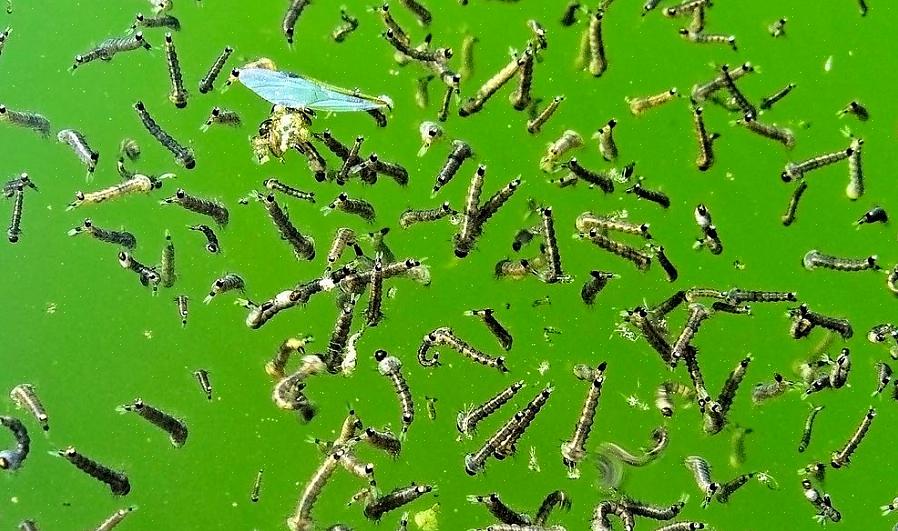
{"points": [[183, 156], [121, 238], [502, 335], [200, 206], [208, 81]]}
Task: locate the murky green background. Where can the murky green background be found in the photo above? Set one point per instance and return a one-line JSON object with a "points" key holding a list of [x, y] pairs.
{"points": [[109, 340]]}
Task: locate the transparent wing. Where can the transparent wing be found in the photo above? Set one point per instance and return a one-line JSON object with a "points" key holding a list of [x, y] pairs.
{"points": [[291, 90]]}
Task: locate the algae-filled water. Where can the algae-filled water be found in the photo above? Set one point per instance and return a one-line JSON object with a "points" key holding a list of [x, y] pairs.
{"points": [[89, 337]]}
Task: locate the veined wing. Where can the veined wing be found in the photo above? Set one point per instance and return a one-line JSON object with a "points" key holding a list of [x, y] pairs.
{"points": [[292, 90]]}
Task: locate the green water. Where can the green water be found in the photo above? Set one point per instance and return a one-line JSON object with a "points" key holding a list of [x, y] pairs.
{"points": [[109, 341]]}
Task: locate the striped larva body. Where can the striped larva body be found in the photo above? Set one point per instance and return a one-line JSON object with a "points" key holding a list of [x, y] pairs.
{"points": [[771, 100], [113, 520], [568, 141], [461, 151], [500, 510], [697, 315], [641, 260], [121, 238], [701, 472], [228, 282], [594, 284], [198, 205], [148, 276], [806, 433], [167, 266], [792, 209], [655, 196], [638, 106], [31, 120], [798, 170], [183, 156], [855, 188], [594, 178], [708, 38], [79, 145], [780, 134], [208, 81], [301, 520], [842, 456], [162, 20], [574, 449], [374, 311], [294, 10], [276, 366], [14, 458], [411, 217], [814, 259], [117, 481], [476, 461], [598, 63], [303, 246], [502, 335], [277, 186], [492, 85], [391, 501], [706, 90], [202, 379], [176, 429], [466, 421], [535, 124], [508, 446], [336, 345], [177, 93], [705, 158], [659, 439], [357, 207], [391, 367], [520, 98], [223, 117], [25, 397], [212, 244]]}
